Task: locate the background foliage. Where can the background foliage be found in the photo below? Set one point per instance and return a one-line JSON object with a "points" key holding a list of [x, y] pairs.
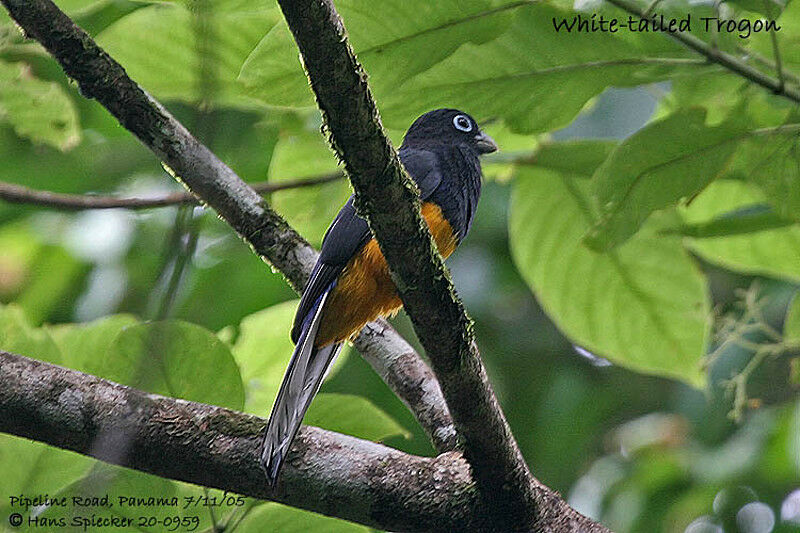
{"points": [[632, 271]]}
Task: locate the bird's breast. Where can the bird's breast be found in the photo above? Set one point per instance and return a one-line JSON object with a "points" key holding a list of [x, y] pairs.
{"points": [[365, 290]]}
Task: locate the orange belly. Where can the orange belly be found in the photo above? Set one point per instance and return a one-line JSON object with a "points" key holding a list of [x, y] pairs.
{"points": [[365, 289]]}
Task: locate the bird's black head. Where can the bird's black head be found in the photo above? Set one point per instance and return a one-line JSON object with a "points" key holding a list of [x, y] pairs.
{"points": [[449, 127]]}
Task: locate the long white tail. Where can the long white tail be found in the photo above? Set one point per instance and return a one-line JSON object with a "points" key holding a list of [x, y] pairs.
{"points": [[301, 382]]}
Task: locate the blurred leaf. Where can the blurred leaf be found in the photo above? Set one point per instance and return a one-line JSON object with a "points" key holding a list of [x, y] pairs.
{"points": [[176, 359], [160, 49], [394, 43], [263, 350], [656, 167], [54, 273], [20, 246], [770, 158], [352, 415], [32, 468], [788, 36], [121, 488], [17, 336], [791, 329], [774, 252], [289, 520], [643, 306], [248, 283], [749, 219], [38, 110], [309, 210], [534, 78], [770, 8], [85, 346], [578, 157], [72, 6]]}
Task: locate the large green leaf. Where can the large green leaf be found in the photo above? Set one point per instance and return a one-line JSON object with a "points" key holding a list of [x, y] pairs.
{"points": [[176, 56], [773, 252], [534, 78], [643, 305], [309, 210], [277, 517], [770, 158], [33, 468], [85, 347], [38, 110], [262, 350], [151, 503], [177, 359], [17, 336], [353, 415], [394, 42], [656, 167]]}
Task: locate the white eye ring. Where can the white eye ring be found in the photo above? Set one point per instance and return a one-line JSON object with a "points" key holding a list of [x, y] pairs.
{"points": [[462, 123]]}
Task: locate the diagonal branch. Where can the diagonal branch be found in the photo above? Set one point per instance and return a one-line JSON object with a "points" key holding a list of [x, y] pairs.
{"points": [[19, 194], [715, 55], [388, 199], [215, 447], [215, 184]]}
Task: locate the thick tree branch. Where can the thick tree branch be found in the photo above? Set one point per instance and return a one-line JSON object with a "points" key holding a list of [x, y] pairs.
{"points": [[210, 446], [387, 198], [215, 184], [19, 194], [326, 472]]}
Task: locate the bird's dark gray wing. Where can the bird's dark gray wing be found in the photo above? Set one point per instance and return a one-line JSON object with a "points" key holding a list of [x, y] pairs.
{"points": [[423, 167], [345, 236], [349, 233]]}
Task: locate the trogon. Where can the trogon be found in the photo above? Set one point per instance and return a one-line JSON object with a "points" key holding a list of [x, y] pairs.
{"points": [[350, 284]]}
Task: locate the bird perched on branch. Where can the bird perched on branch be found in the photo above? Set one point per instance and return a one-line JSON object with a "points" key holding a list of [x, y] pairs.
{"points": [[350, 284]]}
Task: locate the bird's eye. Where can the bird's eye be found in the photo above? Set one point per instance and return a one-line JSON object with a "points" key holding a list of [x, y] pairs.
{"points": [[462, 123]]}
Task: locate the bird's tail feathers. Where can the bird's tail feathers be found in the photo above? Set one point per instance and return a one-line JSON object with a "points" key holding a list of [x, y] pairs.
{"points": [[302, 380]]}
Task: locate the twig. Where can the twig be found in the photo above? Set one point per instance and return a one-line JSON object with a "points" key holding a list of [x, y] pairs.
{"points": [[19, 194], [722, 58], [387, 197], [766, 62], [776, 51]]}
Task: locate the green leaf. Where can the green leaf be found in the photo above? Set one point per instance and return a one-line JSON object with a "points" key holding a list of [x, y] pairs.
{"points": [[578, 157], [263, 350], [770, 158], [163, 49], [290, 520], [176, 359], [152, 503], [658, 166], [749, 219], [85, 346], [45, 292], [643, 306], [770, 8], [791, 329], [38, 110], [534, 78], [17, 336], [352, 415], [394, 43], [309, 210], [772, 252], [32, 468]]}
